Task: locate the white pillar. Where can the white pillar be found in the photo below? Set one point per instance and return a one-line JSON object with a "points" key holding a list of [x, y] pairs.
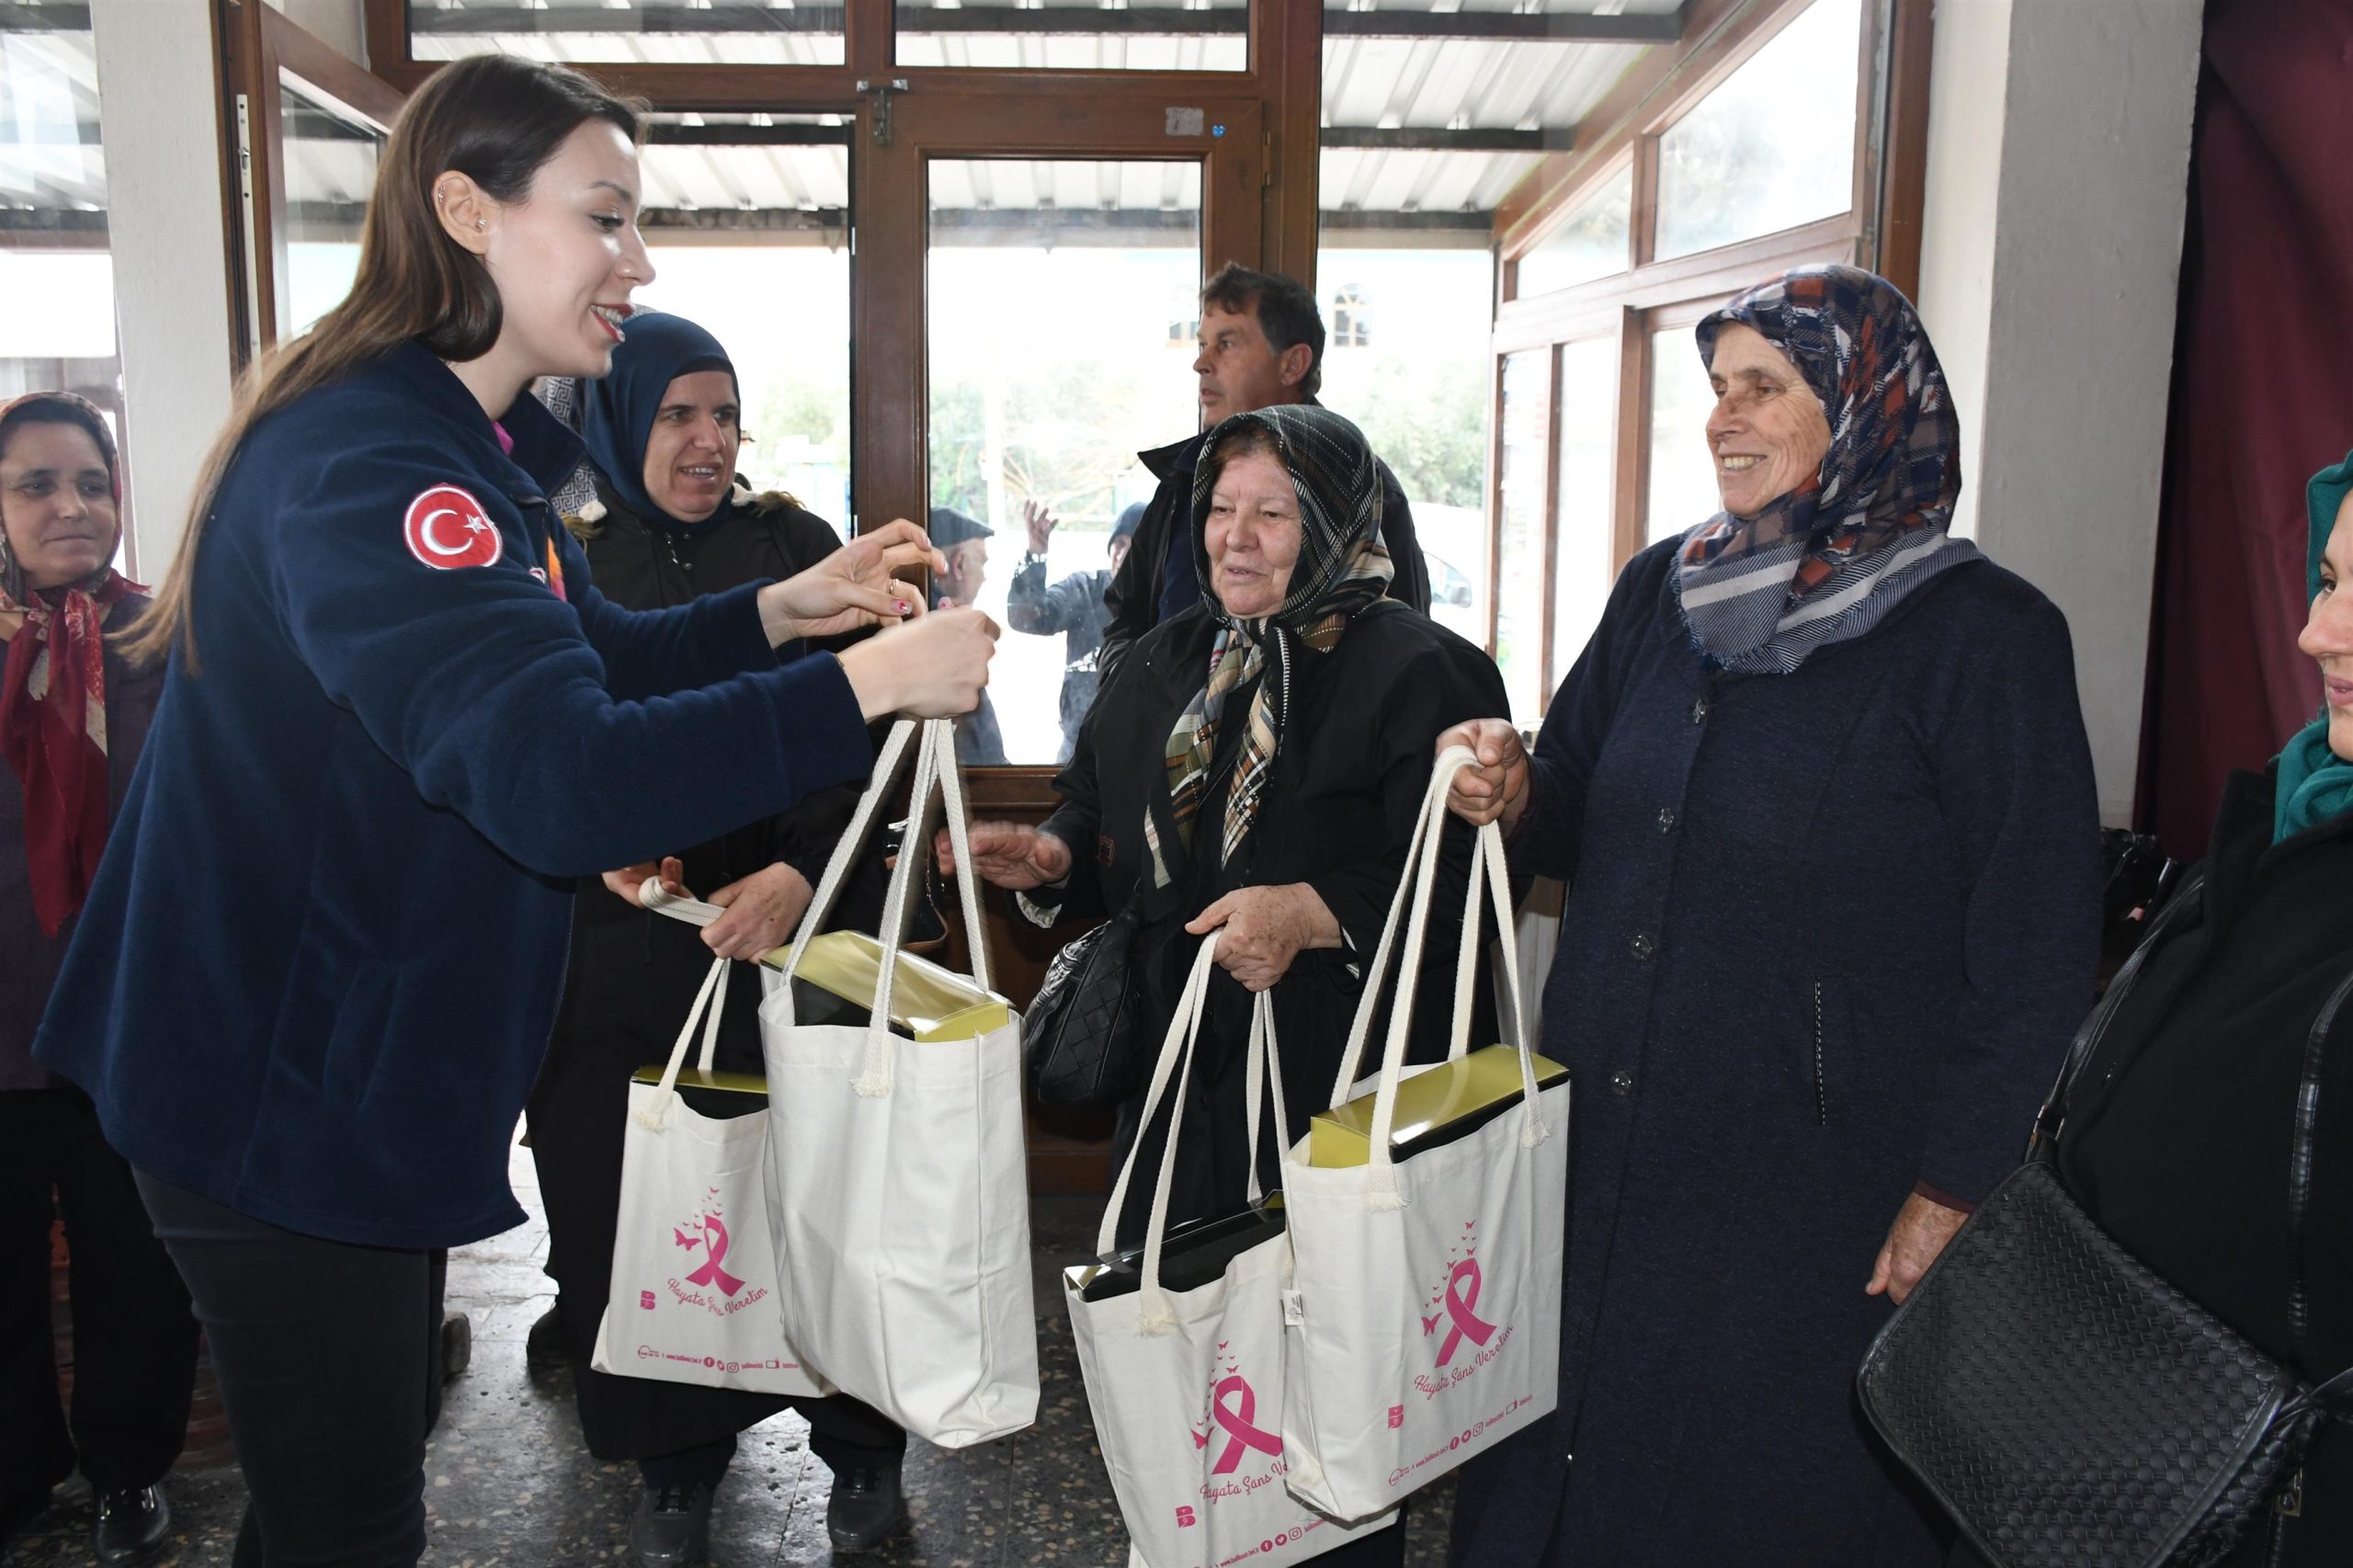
{"points": [[2058, 180], [158, 117]]}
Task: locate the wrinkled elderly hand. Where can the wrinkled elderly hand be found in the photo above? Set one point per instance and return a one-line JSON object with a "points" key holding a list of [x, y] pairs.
{"points": [[1921, 1230], [852, 587], [762, 910], [624, 883], [1007, 855], [1041, 523], [1497, 787], [1262, 929]]}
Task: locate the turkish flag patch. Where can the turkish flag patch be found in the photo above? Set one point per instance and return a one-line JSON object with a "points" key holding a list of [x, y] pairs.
{"points": [[447, 528]]}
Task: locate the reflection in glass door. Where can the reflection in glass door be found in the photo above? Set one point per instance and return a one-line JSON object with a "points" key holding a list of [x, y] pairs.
{"points": [[1061, 305], [328, 158]]}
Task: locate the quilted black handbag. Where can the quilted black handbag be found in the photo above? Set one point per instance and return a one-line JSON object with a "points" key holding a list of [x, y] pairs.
{"points": [[2069, 1408], [1086, 1045]]}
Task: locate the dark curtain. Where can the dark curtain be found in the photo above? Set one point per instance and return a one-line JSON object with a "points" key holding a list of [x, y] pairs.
{"points": [[2262, 399]]}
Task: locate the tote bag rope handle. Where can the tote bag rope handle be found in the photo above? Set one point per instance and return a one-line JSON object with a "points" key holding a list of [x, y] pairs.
{"points": [[846, 852], [1413, 890], [1175, 1061], [935, 772], [709, 1003]]}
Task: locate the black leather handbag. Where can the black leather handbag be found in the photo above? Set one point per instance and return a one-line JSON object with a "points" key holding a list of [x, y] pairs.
{"points": [[1085, 1039], [2068, 1407]]}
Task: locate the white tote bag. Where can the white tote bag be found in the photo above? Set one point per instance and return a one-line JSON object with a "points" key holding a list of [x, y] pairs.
{"points": [[1424, 1324], [898, 1184], [1186, 1386], [694, 1296]]}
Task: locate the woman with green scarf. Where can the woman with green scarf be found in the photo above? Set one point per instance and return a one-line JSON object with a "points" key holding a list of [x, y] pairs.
{"points": [[2183, 1134]]}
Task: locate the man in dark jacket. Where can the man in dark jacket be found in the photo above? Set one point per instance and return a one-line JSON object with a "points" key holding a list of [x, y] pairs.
{"points": [[980, 743], [1261, 343], [1073, 606]]}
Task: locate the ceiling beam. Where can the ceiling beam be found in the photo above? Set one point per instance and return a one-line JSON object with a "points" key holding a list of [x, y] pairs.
{"points": [[1561, 27], [1432, 139]]}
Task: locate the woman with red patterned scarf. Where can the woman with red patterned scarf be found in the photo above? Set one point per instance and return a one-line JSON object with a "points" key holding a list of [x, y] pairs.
{"points": [[73, 715]]}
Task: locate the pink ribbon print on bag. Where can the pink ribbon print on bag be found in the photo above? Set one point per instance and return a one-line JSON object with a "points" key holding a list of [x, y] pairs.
{"points": [[708, 1230], [1453, 1307], [1233, 1417]]}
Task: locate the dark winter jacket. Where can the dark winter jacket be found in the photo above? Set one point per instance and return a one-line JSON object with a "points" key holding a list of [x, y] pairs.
{"points": [[1135, 602], [2179, 1134], [634, 972], [1339, 808], [1827, 936], [317, 971]]}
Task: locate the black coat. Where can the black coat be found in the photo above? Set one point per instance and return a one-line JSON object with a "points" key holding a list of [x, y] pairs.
{"points": [[1131, 604], [1827, 936], [634, 972], [2178, 1140], [1339, 810]]}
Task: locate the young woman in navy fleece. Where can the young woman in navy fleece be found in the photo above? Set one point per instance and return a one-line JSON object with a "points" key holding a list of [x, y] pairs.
{"points": [[315, 976]]}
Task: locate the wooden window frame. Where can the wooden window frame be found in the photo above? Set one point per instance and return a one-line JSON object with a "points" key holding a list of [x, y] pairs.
{"points": [[1881, 229]]}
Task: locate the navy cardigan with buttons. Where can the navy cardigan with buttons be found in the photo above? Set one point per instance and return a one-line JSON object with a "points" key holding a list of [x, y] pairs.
{"points": [[318, 968], [1827, 936]]}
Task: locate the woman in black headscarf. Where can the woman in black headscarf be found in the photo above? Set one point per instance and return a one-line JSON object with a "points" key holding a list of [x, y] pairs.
{"points": [[1256, 764], [671, 521]]}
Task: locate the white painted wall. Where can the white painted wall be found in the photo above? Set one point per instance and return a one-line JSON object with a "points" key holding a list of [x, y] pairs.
{"points": [[164, 202], [2059, 156]]}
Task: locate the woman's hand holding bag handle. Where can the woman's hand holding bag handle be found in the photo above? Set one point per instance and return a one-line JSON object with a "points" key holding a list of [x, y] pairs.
{"points": [[898, 1167], [1456, 1256]]}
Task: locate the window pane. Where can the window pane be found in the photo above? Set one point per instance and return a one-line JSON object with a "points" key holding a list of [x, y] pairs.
{"points": [[1519, 592], [1773, 147], [1406, 357], [739, 32], [53, 203], [1591, 243], [1586, 500], [1076, 35], [744, 218], [330, 168], [1683, 478], [1021, 414]]}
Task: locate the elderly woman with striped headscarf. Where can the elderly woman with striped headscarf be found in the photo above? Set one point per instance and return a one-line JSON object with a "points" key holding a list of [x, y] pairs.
{"points": [[1254, 766], [1820, 786]]}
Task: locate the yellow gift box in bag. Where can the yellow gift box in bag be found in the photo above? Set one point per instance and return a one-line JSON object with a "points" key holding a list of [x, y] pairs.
{"points": [[1435, 1107], [835, 985]]}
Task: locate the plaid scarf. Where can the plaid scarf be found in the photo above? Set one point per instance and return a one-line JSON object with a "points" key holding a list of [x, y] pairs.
{"points": [[1341, 568], [53, 712], [1826, 562]]}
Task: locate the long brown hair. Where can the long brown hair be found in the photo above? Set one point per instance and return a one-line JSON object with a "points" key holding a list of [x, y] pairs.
{"points": [[493, 118]]}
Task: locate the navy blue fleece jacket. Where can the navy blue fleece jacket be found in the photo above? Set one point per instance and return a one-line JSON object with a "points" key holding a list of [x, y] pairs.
{"points": [[321, 958]]}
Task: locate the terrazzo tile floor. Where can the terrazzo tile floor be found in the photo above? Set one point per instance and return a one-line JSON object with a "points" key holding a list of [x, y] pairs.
{"points": [[509, 1485]]}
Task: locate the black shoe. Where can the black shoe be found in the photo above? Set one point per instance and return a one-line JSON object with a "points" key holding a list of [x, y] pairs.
{"points": [[672, 1527], [865, 1508], [548, 1347], [131, 1526], [457, 1345]]}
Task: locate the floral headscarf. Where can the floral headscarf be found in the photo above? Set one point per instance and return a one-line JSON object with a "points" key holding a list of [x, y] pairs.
{"points": [[1826, 562]]}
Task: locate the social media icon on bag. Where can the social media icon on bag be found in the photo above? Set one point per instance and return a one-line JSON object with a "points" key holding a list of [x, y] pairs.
{"points": [[1185, 1519], [1396, 1416], [646, 1299]]}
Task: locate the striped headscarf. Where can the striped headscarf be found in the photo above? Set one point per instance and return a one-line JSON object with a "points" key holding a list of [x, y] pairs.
{"points": [[1342, 567], [1826, 562]]}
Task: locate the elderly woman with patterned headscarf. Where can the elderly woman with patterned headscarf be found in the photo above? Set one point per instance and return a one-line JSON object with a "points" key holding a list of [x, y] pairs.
{"points": [[74, 714], [1820, 788], [1255, 765]]}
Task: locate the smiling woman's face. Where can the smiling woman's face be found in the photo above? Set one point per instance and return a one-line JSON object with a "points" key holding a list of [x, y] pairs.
{"points": [[2327, 637], [1767, 433], [57, 504]]}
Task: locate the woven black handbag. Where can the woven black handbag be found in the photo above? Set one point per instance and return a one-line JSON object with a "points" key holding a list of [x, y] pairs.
{"points": [[2069, 1408], [1085, 1042]]}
